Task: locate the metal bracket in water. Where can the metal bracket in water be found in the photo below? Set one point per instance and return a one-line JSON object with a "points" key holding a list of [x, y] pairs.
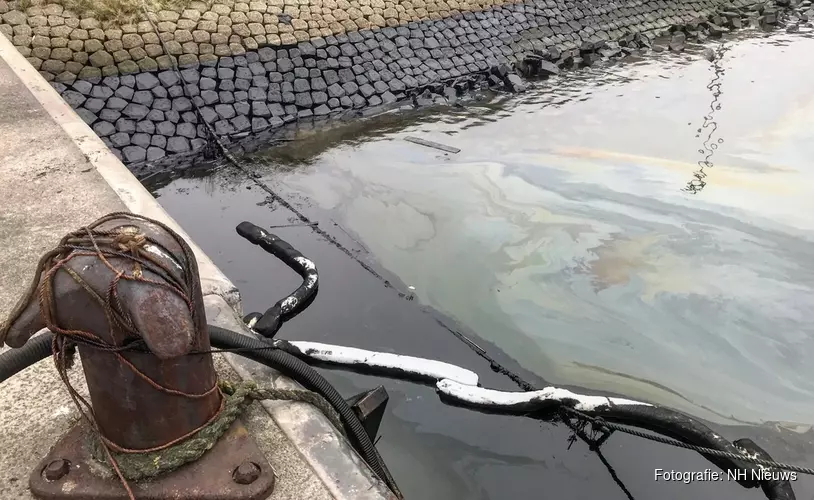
{"points": [[234, 469], [369, 406]]}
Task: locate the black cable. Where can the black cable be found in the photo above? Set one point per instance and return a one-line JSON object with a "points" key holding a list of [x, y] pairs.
{"points": [[14, 361]]}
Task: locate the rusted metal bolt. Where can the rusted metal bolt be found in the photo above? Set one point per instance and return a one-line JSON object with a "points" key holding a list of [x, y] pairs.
{"points": [[57, 469], [246, 473]]}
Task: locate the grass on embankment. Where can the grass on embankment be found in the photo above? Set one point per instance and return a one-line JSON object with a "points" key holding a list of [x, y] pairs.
{"points": [[121, 11]]}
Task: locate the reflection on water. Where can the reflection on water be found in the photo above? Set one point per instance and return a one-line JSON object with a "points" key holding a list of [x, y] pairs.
{"points": [[709, 125], [562, 234]]}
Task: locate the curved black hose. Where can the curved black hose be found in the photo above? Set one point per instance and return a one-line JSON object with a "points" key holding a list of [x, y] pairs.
{"points": [[268, 324], [38, 348], [14, 361], [301, 372]]}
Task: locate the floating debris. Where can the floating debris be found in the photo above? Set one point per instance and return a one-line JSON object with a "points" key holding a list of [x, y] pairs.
{"points": [[431, 144]]}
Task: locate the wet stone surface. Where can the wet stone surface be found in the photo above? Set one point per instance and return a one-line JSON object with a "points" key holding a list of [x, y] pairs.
{"points": [[414, 63]]}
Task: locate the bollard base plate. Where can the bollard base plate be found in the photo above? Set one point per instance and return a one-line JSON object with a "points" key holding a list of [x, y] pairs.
{"points": [[208, 478]]}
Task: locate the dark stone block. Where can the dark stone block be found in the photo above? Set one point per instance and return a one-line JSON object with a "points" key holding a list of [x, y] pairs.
{"points": [[243, 74], [110, 115], [289, 97], [242, 108], [165, 128], [367, 90], [140, 139], [144, 97], [409, 81], [155, 153], [101, 92], [209, 115], [260, 82], [336, 90], [350, 87], [95, 105], [318, 84], [112, 82], [178, 144], [181, 104], [225, 111], [307, 49], [333, 103], [259, 124], [241, 84], [276, 110], [380, 87], [103, 128], [346, 75], [125, 93], [189, 117], [134, 154], [120, 139], [146, 127], [207, 84], [362, 80], [241, 95], [305, 113], [396, 85], [160, 92], [146, 81], [289, 77], [303, 100], [135, 111], [301, 85], [322, 110], [227, 85], [358, 101], [83, 87], [260, 108], [346, 102], [223, 127], [187, 130], [284, 65], [125, 125], [266, 54], [175, 91], [241, 61], [256, 68], [160, 105], [330, 76], [319, 97]]}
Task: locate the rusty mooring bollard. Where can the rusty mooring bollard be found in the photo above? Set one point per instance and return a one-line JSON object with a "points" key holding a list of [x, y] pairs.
{"points": [[124, 281]]}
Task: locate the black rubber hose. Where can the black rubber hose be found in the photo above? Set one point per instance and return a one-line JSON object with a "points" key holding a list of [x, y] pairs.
{"points": [[38, 348], [301, 372], [14, 361], [288, 307]]}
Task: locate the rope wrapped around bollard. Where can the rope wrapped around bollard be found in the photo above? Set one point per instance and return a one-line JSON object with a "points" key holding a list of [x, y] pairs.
{"points": [[237, 397]]}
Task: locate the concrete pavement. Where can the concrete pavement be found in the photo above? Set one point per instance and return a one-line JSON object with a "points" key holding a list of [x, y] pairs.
{"points": [[55, 176]]}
